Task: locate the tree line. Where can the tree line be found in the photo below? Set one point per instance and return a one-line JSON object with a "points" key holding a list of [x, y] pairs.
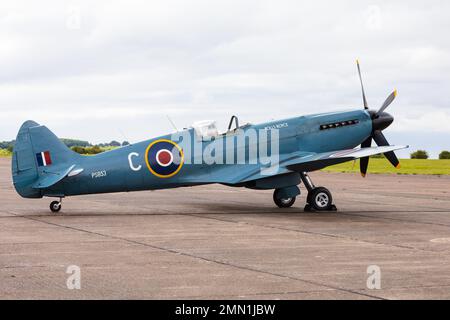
{"points": [[422, 154], [79, 146], [85, 147]]}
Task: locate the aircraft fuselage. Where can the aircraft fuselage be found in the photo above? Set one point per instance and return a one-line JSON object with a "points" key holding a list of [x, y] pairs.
{"points": [[126, 168]]}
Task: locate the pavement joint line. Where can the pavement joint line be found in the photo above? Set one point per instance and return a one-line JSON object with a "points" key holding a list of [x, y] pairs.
{"points": [[292, 211], [330, 235], [402, 220], [210, 260], [47, 242], [347, 213], [361, 289], [198, 215], [367, 202], [44, 215], [321, 291], [396, 195], [377, 202], [426, 209], [263, 294], [363, 193]]}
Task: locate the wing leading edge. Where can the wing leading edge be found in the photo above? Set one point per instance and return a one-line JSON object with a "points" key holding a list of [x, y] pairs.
{"points": [[310, 161], [319, 161], [299, 161]]}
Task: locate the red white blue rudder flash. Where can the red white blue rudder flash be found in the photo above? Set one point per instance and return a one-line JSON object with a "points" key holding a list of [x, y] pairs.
{"points": [[43, 159]]}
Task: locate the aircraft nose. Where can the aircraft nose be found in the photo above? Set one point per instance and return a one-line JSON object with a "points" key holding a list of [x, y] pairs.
{"points": [[382, 121]]}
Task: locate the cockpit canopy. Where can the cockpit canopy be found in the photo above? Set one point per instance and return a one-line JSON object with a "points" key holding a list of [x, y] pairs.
{"points": [[206, 128]]}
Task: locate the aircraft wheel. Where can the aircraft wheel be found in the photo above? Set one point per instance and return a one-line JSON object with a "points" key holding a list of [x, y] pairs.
{"points": [[283, 202], [320, 199], [55, 206]]}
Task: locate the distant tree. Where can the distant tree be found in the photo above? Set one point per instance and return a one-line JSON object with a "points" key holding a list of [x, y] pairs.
{"points": [[74, 142], [378, 156], [79, 149], [10, 148], [87, 150], [444, 155], [7, 144], [125, 143], [419, 154], [94, 150], [114, 143]]}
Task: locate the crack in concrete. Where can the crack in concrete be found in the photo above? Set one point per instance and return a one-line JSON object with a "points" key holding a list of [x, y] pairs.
{"points": [[228, 264]]}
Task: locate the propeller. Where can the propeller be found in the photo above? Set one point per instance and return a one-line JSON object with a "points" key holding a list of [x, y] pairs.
{"points": [[362, 86], [380, 121], [364, 162]]}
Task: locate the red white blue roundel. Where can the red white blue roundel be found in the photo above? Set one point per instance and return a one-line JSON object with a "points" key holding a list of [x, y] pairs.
{"points": [[164, 158]]}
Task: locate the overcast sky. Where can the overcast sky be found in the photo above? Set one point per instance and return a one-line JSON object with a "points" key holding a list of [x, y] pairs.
{"points": [[117, 69]]}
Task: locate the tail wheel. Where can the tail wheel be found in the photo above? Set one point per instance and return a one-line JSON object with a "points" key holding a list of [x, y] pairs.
{"points": [[55, 206], [282, 202], [320, 199]]}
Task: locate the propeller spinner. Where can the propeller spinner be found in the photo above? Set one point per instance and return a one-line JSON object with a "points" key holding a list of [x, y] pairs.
{"points": [[380, 121]]}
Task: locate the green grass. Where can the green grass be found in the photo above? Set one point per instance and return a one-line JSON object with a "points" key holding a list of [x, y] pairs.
{"points": [[4, 153], [407, 166], [109, 148]]}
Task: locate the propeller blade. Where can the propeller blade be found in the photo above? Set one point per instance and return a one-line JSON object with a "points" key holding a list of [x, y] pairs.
{"points": [[392, 159], [364, 162], [379, 138], [362, 86], [381, 141], [388, 101]]}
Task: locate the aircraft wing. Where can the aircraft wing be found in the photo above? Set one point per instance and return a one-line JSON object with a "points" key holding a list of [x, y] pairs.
{"points": [[300, 161], [311, 161], [317, 161]]}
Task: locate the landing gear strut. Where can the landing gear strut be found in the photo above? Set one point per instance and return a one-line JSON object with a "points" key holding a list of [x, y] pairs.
{"points": [[55, 206], [319, 198]]}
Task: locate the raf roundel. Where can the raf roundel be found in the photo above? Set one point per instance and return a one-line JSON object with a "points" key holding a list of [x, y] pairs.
{"points": [[164, 158]]}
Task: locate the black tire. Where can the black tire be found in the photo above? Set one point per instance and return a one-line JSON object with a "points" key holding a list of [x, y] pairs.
{"points": [[320, 199], [308, 197], [282, 202], [55, 206]]}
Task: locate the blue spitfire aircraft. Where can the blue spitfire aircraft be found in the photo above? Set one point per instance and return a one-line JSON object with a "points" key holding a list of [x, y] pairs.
{"points": [[42, 166]]}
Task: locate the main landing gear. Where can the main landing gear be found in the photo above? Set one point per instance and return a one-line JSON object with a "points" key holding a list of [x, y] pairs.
{"points": [[318, 199], [55, 206], [282, 202]]}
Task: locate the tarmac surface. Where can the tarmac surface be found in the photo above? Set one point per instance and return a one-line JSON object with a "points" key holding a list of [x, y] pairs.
{"points": [[217, 242]]}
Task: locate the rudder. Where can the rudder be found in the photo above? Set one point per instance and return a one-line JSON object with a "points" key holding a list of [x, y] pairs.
{"points": [[36, 150]]}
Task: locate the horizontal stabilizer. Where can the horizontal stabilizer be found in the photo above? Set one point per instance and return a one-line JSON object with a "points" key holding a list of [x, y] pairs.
{"points": [[50, 178]]}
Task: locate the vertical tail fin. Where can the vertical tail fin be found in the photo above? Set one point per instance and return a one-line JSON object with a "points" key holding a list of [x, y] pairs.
{"points": [[37, 149]]}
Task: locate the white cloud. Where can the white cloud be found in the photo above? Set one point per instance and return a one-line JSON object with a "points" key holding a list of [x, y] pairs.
{"points": [[429, 120], [110, 64]]}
